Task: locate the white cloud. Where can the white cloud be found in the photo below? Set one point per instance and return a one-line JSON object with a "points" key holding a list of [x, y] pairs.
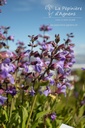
{"points": [[79, 49], [78, 66], [82, 46], [45, 2], [27, 5]]}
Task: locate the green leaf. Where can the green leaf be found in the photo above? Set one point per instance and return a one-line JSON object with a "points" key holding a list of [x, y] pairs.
{"points": [[24, 116], [35, 124], [41, 114], [17, 118], [81, 111], [6, 115], [48, 123]]}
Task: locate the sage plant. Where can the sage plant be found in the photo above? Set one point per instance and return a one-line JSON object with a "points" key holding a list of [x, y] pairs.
{"points": [[42, 68]]}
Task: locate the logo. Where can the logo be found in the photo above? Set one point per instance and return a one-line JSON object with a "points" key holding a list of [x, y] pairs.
{"points": [[49, 8]]}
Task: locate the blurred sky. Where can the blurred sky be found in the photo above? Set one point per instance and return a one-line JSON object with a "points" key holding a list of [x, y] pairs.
{"points": [[25, 17]]}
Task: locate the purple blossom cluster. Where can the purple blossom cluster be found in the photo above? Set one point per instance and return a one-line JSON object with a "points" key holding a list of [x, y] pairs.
{"points": [[43, 62]]}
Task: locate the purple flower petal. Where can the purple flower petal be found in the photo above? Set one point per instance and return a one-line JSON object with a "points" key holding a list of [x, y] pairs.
{"points": [[2, 99], [38, 68], [53, 116], [32, 92], [47, 91]]}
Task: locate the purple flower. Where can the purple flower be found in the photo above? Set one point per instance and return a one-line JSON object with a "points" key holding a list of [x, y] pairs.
{"points": [[50, 47], [2, 2], [6, 61], [50, 78], [68, 84], [47, 91], [45, 28], [11, 79], [53, 116], [60, 70], [6, 69], [2, 99], [20, 43], [52, 81], [61, 88], [25, 67], [11, 38], [46, 46], [9, 53], [60, 66], [32, 92], [60, 56], [12, 67], [4, 74], [38, 68], [11, 90], [39, 61], [39, 65], [67, 71]]}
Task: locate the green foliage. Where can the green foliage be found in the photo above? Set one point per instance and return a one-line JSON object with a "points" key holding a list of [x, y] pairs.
{"points": [[69, 110]]}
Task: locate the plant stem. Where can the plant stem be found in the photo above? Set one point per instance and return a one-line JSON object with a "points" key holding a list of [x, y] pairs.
{"points": [[7, 99], [34, 101], [22, 96], [12, 105]]}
